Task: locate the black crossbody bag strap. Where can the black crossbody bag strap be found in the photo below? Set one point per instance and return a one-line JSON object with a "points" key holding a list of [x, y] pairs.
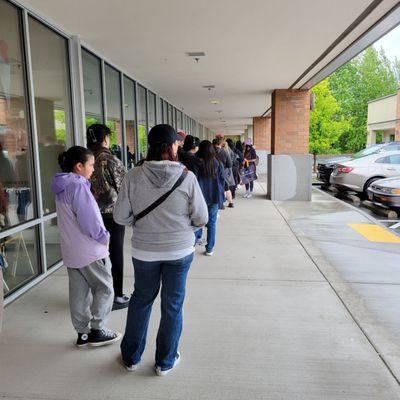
{"points": [[160, 200]]}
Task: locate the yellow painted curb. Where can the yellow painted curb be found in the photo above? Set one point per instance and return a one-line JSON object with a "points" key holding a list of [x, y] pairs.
{"points": [[375, 233]]}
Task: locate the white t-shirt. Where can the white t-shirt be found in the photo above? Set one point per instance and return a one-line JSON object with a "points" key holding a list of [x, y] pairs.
{"points": [[150, 256]]}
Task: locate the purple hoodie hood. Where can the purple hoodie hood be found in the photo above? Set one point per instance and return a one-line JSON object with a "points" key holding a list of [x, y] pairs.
{"points": [[60, 181]]}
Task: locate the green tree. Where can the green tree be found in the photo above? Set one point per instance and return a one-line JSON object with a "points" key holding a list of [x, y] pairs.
{"points": [[368, 76], [326, 122]]}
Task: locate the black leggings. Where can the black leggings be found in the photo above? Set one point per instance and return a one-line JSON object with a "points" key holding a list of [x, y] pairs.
{"points": [[250, 186], [117, 233]]}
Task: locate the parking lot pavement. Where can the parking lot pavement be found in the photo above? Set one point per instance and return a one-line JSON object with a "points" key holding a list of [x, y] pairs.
{"points": [[261, 321], [365, 274]]}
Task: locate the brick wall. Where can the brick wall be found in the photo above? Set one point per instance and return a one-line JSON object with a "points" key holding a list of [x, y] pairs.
{"points": [[290, 121], [397, 134], [262, 133]]}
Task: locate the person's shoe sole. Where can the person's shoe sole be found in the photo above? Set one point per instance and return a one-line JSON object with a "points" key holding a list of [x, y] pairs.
{"points": [[81, 346], [106, 343], [160, 372], [209, 253], [119, 306]]}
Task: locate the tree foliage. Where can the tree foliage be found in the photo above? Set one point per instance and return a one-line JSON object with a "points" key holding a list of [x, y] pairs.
{"points": [[367, 77]]}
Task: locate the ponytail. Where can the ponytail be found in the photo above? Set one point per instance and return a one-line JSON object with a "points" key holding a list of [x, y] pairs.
{"points": [[74, 155]]}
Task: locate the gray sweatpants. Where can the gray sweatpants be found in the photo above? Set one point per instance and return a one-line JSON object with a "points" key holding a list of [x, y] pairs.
{"points": [[91, 295]]}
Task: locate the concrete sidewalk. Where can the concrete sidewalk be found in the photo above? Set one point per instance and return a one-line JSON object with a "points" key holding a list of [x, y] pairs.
{"points": [[261, 322]]}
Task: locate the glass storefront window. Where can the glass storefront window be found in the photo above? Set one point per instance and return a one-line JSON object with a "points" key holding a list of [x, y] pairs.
{"points": [[142, 121], [159, 110], [52, 102], [91, 66], [15, 160], [179, 119], [151, 98], [129, 107], [52, 242], [165, 112], [170, 120], [19, 252], [113, 104]]}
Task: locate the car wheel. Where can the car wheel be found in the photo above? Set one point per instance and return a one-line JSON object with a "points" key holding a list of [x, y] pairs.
{"points": [[368, 184]]}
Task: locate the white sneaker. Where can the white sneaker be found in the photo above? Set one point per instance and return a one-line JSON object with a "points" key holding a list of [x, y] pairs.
{"points": [[209, 253], [161, 372], [246, 195], [250, 195], [130, 368]]}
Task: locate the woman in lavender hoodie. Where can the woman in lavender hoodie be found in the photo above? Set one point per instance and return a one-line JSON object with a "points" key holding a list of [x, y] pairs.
{"points": [[84, 247]]}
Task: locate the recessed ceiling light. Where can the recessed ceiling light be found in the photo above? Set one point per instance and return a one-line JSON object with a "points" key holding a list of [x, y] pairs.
{"points": [[209, 87], [215, 101]]}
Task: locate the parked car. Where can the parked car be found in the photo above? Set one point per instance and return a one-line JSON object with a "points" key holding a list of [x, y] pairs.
{"points": [[386, 192], [358, 174], [325, 168]]}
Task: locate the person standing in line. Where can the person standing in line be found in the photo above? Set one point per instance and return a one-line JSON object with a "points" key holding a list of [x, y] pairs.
{"points": [[106, 182], [84, 248], [236, 162], [250, 159], [224, 157], [164, 204], [211, 178], [188, 156]]}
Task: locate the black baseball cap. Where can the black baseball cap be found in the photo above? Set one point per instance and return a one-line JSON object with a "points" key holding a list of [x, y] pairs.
{"points": [[163, 133]]}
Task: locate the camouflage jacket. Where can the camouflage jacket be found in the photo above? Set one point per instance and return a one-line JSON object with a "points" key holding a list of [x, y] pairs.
{"points": [[106, 179]]}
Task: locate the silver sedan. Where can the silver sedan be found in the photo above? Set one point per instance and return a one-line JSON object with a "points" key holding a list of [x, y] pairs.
{"points": [[358, 174]]}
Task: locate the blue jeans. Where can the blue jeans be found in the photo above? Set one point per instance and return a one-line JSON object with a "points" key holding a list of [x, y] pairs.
{"points": [[149, 276], [211, 227]]}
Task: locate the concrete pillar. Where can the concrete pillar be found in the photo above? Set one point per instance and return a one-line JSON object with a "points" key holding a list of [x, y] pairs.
{"points": [[397, 129], [371, 138], [250, 134], [290, 164]]}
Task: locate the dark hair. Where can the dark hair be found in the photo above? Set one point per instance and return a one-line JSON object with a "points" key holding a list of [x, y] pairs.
{"points": [[95, 135], [214, 142], [239, 146], [74, 155], [219, 140], [230, 143], [160, 152], [190, 143], [207, 155]]}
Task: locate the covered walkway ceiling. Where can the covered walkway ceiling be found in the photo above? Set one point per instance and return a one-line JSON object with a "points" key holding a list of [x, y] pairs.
{"points": [[251, 47]]}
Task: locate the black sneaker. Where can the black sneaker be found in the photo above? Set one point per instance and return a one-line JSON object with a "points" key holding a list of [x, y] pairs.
{"points": [[120, 302], [231, 205], [103, 337], [82, 340]]}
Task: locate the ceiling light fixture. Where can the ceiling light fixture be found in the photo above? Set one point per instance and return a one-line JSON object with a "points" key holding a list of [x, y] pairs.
{"points": [[209, 87], [215, 101]]}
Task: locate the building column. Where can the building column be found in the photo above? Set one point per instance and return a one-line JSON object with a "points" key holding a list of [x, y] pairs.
{"points": [[397, 129], [262, 141], [290, 164], [371, 138]]}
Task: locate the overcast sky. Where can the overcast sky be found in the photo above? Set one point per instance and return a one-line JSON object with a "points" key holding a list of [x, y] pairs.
{"points": [[391, 43]]}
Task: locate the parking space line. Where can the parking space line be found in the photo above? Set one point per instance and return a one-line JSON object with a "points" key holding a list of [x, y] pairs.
{"points": [[375, 233]]}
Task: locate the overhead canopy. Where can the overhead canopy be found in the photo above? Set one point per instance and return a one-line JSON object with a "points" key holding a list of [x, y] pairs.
{"points": [[251, 47]]}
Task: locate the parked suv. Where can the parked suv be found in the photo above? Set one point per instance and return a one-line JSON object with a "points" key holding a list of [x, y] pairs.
{"points": [[325, 168]]}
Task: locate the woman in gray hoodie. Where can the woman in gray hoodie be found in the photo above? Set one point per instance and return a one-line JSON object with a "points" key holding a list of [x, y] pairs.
{"points": [[162, 245]]}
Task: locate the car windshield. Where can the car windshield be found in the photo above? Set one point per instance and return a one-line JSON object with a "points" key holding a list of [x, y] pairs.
{"points": [[368, 151]]}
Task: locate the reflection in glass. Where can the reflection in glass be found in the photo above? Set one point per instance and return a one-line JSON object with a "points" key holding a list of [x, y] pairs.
{"points": [[129, 106], [179, 119], [19, 255], [52, 102], [52, 242], [113, 102], [142, 122], [170, 121], [165, 112], [159, 110], [15, 178], [91, 66], [152, 109]]}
